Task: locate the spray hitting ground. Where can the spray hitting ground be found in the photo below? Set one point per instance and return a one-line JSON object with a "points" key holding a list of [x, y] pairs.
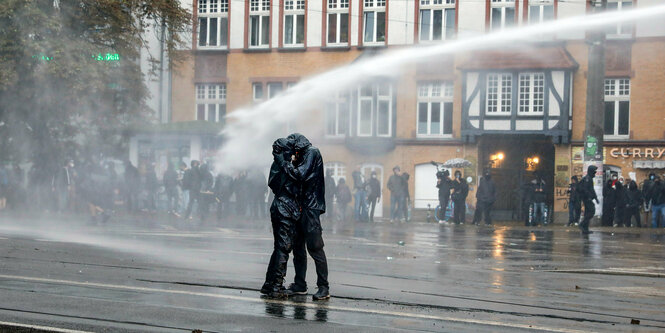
{"points": [[252, 130], [157, 278]]}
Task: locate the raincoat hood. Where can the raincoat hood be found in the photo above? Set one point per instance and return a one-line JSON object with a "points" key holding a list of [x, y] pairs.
{"points": [[282, 145], [300, 142], [591, 170]]}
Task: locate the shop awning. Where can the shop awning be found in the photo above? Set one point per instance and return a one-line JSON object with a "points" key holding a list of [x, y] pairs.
{"points": [[545, 57], [649, 164]]}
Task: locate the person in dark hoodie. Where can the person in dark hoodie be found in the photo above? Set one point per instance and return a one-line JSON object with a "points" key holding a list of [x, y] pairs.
{"points": [[444, 184], [284, 212], [307, 170], [574, 204], [634, 200], [485, 196], [657, 197], [587, 194], [460, 192], [609, 200], [620, 209]]}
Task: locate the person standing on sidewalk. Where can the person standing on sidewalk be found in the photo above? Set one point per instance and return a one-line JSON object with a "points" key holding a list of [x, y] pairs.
{"points": [[485, 196], [588, 195]]}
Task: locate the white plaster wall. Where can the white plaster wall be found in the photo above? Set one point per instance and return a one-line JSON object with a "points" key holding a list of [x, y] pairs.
{"points": [[529, 125], [471, 18], [555, 110], [567, 10], [274, 24], [314, 22], [653, 26], [503, 125], [353, 29], [237, 25], [397, 17]]}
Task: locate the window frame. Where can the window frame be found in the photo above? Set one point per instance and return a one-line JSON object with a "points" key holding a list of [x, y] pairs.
{"points": [[341, 98], [339, 171], [431, 6], [499, 94], [617, 97], [377, 6], [375, 99], [262, 11], [446, 96], [541, 4], [338, 10], [532, 94], [202, 97], [205, 12], [502, 4], [617, 32], [299, 9]]}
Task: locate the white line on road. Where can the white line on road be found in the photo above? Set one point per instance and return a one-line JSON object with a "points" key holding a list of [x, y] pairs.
{"points": [[42, 328], [308, 305]]}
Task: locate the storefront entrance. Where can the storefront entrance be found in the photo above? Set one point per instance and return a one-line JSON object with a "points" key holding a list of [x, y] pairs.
{"points": [[514, 160]]}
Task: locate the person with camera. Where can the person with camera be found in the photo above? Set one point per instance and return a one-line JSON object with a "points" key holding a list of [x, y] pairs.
{"points": [[460, 192], [444, 185]]}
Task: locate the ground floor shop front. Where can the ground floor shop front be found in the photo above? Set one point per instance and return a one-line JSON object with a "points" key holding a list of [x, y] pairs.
{"points": [[514, 162]]}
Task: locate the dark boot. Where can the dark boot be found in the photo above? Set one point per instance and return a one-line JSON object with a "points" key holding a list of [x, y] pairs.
{"points": [[321, 294]]}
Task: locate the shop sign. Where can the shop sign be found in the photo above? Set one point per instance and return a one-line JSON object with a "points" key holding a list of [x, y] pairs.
{"points": [[656, 153]]}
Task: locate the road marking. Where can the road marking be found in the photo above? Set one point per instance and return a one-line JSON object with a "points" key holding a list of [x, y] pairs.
{"points": [[42, 328], [308, 305]]}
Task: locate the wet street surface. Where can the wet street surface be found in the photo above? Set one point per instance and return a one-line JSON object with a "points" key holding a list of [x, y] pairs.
{"points": [[169, 276]]}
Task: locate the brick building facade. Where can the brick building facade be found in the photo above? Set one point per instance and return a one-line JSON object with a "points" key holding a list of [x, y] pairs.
{"points": [[525, 103]]}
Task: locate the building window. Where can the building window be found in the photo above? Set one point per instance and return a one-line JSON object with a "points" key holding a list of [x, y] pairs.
{"points": [[266, 90], [435, 109], [624, 29], [338, 22], [259, 23], [541, 11], [531, 93], [375, 110], [337, 115], [338, 170], [294, 22], [213, 23], [210, 102], [499, 94], [437, 19], [374, 20], [617, 108], [502, 14]]}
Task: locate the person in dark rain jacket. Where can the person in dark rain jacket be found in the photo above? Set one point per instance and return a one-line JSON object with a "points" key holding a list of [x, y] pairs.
{"points": [[460, 192], [486, 195], [609, 200], [634, 200], [574, 204], [284, 212], [588, 195], [307, 170]]}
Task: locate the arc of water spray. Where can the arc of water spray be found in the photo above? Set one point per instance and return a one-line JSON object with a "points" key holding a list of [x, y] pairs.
{"points": [[250, 131]]}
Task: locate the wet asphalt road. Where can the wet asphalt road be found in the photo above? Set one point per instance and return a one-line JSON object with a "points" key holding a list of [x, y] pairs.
{"points": [[167, 276]]}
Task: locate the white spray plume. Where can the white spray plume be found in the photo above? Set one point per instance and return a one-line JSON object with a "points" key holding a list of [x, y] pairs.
{"points": [[251, 131]]}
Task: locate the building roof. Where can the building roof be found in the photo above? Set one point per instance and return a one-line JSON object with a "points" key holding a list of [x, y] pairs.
{"points": [[545, 57]]}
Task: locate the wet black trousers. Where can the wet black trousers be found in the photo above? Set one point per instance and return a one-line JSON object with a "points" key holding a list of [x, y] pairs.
{"points": [[308, 238], [459, 211], [589, 212], [483, 208], [443, 206], [628, 217], [574, 212], [283, 230]]}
